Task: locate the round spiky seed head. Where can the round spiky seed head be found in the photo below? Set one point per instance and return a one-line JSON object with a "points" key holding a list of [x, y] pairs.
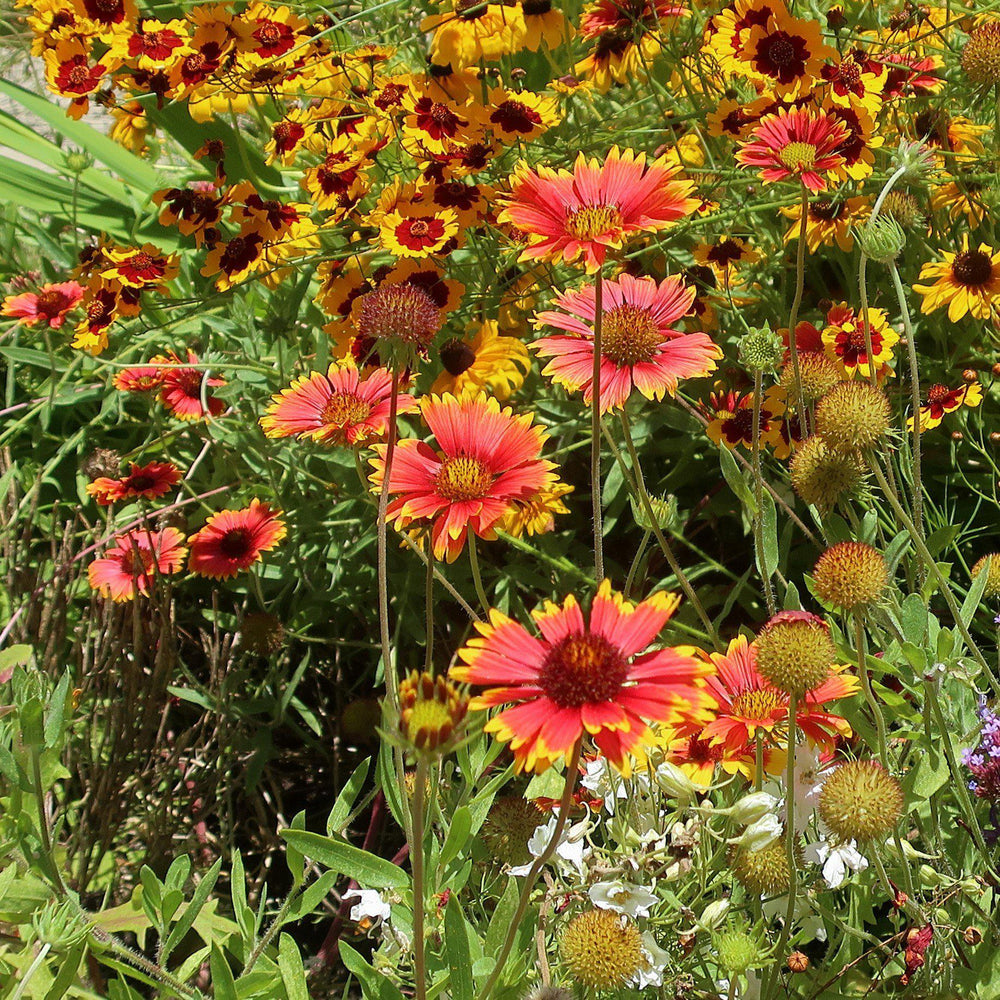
{"points": [[981, 55], [818, 374], [761, 350], [904, 208], [824, 477], [861, 801], [797, 962], [882, 239], [853, 416], [850, 575], [990, 563], [262, 633], [795, 651], [601, 949], [542, 992], [508, 828], [736, 950], [763, 872]]}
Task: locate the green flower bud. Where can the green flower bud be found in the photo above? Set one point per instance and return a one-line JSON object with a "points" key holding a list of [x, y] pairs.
{"points": [[738, 950], [59, 925], [882, 239], [664, 510], [915, 158], [761, 350], [77, 162]]}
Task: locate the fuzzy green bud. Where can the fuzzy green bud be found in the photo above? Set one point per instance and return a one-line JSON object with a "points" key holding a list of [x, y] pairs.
{"points": [[664, 510], [915, 158], [761, 350], [77, 161], [59, 925], [882, 239], [737, 950]]}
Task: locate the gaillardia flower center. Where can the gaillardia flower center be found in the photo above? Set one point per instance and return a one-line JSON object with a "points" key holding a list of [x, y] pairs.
{"points": [[462, 478], [235, 543], [593, 221], [756, 704], [457, 357], [798, 155], [629, 335], [938, 393], [401, 311], [972, 267], [581, 669], [344, 409]]}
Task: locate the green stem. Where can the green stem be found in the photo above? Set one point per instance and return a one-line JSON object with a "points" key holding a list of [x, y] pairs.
{"points": [[429, 608], [43, 820], [417, 854], [793, 316], [31, 970], [668, 552], [758, 483], [477, 577], [595, 430], [911, 351], [779, 951], [272, 929], [392, 695], [866, 685], [572, 766]]}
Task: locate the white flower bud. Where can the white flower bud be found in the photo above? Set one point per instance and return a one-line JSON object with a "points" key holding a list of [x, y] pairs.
{"points": [[714, 914], [752, 807]]}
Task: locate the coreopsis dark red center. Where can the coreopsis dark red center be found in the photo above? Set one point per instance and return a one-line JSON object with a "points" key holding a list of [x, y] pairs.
{"points": [[77, 76], [287, 135], [515, 116], [157, 44], [273, 38], [436, 119], [240, 252], [726, 252], [420, 234], [457, 356], [105, 11]]}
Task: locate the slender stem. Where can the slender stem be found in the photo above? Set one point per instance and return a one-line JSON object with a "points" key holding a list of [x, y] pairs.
{"points": [[911, 351], [417, 861], [268, 935], [779, 951], [793, 316], [866, 684], [636, 559], [935, 570], [758, 483], [595, 430], [572, 766], [668, 552], [30, 971], [477, 577], [429, 607], [382, 539]]}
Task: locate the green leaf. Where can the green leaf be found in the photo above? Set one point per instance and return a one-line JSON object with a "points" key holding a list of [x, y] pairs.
{"points": [[55, 720], [192, 910], [769, 532], [737, 483], [974, 596], [457, 948], [338, 855], [15, 656], [292, 974], [66, 976], [373, 983], [502, 916], [32, 720], [913, 619], [341, 811], [930, 774], [223, 984], [458, 836]]}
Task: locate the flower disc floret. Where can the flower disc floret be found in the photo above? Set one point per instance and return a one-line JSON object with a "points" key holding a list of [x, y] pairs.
{"points": [[795, 651], [602, 949], [582, 668], [861, 801], [822, 476]]}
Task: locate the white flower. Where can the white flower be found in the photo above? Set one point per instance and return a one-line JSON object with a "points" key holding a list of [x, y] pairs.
{"points": [[836, 861], [808, 784], [570, 849], [370, 905], [623, 897], [759, 834], [654, 961]]}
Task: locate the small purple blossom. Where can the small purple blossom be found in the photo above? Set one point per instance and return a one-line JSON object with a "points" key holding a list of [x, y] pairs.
{"points": [[983, 760]]}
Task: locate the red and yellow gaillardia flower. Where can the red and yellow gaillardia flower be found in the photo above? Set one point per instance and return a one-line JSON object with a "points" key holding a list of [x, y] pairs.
{"points": [[748, 704], [596, 207], [49, 305], [135, 559], [149, 481], [640, 348], [798, 143], [844, 339], [183, 387], [941, 400], [340, 407], [233, 540], [582, 677], [966, 282], [488, 460]]}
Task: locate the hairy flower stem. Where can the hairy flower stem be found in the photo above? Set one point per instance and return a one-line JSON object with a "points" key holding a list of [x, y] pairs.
{"points": [[668, 552], [572, 767], [793, 316], [417, 863], [30, 971], [595, 430], [911, 351], [758, 489], [429, 608], [930, 564], [391, 693], [866, 685], [775, 978], [43, 820]]}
